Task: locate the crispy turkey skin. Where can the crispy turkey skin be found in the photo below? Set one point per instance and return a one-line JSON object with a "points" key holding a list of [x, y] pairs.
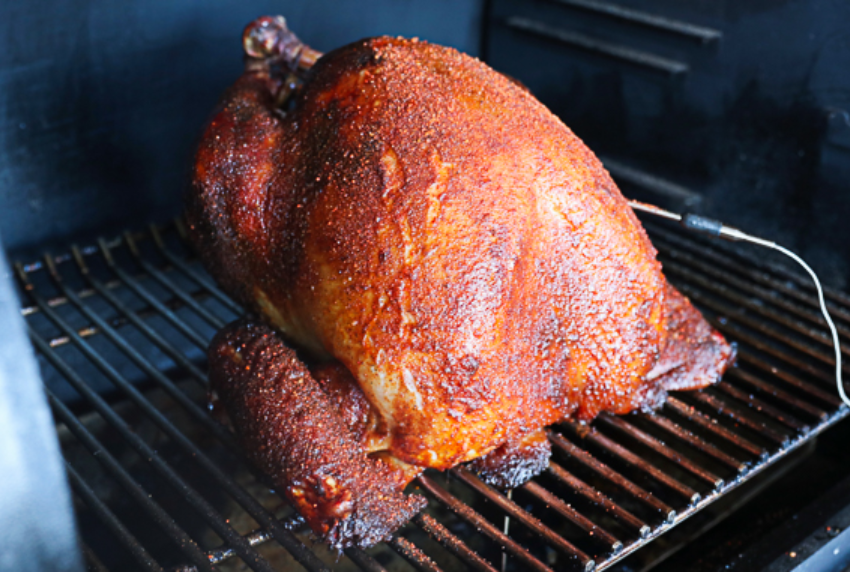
{"points": [[425, 228]]}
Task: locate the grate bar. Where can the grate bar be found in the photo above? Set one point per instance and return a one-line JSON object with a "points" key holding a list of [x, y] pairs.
{"points": [[57, 301], [134, 318], [659, 447], [697, 442], [741, 335], [757, 325], [260, 536], [597, 497], [223, 553], [706, 422], [202, 507], [522, 516], [482, 524], [191, 334], [142, 363], [601, 468], [363, 560], [747, 266], [808, 314], [753, 269], [614, 448], [136, 492], [727, 409], [89, 331], [93, 563], [124, 536], [743, 302], [452, 543], [157, 275], [573, 515], [812, 390], [760, 405], [413, 554], [226, 300], [753, 403]]}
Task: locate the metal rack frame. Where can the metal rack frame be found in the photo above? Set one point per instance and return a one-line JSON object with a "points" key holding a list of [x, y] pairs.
{"points": [[612, 487]]}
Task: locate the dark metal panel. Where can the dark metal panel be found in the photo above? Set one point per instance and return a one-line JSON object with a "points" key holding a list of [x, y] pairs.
{"points": [[758, 125], [101, 102]]}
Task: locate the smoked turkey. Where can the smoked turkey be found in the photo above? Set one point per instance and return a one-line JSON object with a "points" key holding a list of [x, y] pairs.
{"points": [[438, 269]]}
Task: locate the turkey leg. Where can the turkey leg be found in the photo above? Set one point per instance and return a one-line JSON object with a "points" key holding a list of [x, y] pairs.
{"points": [[294, 432]]}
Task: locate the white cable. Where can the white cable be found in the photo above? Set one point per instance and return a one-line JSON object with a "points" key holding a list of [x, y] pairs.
{"points": [[838, 381], [716, 228]]}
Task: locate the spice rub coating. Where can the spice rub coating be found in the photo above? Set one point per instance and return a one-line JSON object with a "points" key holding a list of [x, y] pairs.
{"points": [[426, 224], [293, 431]]}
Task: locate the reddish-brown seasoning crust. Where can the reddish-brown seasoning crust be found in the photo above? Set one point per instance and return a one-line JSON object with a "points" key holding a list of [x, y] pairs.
{"points": [[426, 223], [364, 423], [695, 354], [293, 431]]}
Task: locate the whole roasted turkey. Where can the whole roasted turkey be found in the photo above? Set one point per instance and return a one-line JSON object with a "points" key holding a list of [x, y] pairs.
{"points": [[438, 267]]}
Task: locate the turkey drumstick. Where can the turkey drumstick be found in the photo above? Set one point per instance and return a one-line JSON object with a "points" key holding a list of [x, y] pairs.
{"points": [[293, 431]]}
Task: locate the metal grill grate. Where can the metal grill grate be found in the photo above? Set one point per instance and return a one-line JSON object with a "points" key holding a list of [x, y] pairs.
{"points": [[121, 329]]}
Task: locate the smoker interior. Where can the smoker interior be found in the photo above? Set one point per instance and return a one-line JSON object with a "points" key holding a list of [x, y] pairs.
{"points": [[121, 325], [734, 110]]}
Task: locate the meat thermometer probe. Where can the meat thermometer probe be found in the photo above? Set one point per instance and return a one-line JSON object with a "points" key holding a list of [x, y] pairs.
{"points": [[713, 227]]}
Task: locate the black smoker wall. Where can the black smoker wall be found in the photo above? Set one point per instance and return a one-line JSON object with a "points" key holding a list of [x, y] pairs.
{"points": [[101, 101], [757, 121]]}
